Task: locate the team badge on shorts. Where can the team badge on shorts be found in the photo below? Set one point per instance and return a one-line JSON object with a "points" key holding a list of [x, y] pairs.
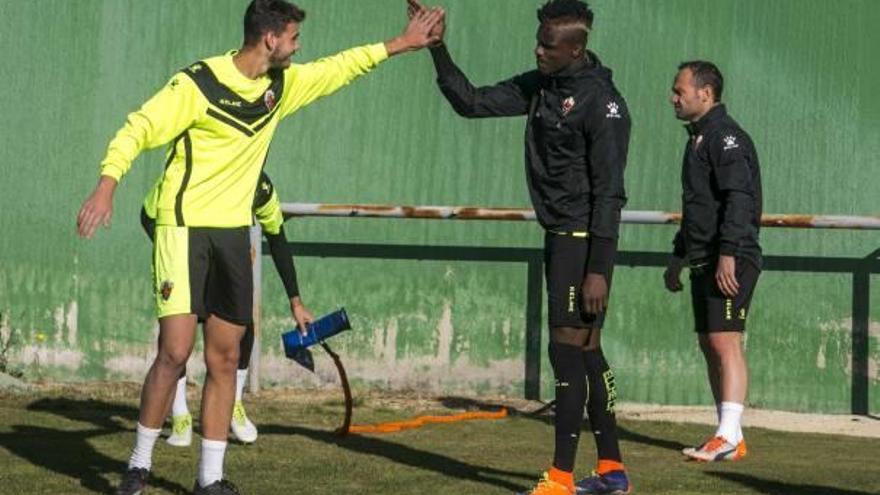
{"points": [[165, 290], [269, 99], [567, 105]]}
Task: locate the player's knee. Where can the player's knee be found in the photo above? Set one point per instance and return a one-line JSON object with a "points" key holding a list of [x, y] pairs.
{"points": [[172, 359], [723, 344], [222, 360], [593, 345], [569, 336]]}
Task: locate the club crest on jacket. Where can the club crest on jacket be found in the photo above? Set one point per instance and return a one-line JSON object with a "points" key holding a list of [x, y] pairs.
{"points": [[269, 100], [567, 105]]}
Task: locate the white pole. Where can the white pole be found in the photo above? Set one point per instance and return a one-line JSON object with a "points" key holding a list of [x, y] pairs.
{"points": [[257, 258]]}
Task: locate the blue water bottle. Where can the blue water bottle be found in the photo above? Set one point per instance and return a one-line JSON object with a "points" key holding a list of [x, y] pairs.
{"points": [[321, 329]]}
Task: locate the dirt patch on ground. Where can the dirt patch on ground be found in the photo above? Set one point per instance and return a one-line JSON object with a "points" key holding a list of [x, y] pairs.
{"points": [[834, 424]]}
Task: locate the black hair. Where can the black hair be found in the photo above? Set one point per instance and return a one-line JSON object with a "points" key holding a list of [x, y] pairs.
{"points": [[575, 10], [263, 16], [706, 74]]}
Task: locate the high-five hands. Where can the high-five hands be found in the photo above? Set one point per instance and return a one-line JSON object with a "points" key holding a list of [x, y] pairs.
{"points": [[414, 7], [420, 32]]}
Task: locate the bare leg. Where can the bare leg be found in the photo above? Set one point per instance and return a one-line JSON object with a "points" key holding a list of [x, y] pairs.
{"points": [[733, 378], [221, 358], [713, 370], [176, 338], [726, 350]]}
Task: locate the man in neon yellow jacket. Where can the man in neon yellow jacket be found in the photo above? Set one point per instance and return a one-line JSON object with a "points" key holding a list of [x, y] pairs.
{"points": [[219, 116], [267, 211]]}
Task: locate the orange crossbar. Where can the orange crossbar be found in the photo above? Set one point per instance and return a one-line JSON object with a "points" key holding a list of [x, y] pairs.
{"points": [[420, 421]]}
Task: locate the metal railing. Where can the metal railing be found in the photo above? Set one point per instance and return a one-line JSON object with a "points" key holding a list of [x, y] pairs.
{"points": [[859, 268], [522, 214]]}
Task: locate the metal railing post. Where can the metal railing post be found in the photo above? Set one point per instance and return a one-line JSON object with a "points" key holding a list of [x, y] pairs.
{"points": [[534, 301], [861, 322], [861, 295], [257, 250]]}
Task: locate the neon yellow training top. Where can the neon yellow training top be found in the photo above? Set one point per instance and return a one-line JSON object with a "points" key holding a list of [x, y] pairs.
{"points": [[220, 124], [266, 207]]}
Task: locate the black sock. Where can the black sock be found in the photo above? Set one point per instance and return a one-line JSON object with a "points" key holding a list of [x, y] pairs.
{"points": [[571, 393], [245, 348], [600, 405]]}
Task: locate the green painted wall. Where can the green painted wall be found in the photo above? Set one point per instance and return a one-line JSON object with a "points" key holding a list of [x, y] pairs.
{"points": [[802, 78]]}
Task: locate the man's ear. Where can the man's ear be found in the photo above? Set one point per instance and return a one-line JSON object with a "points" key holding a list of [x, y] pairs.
{"points": [[706, 94], [269, 41]]}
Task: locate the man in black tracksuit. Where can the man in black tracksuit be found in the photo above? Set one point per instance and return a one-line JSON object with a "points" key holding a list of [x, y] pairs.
{"points": [[722, 203], [576, 141]]}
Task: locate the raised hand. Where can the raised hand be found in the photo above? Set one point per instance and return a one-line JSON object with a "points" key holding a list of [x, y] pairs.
{"points": [[414, 7], [418, 32]]}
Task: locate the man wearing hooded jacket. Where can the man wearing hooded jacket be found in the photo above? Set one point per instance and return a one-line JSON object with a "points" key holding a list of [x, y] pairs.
{"points": [[576, 141]]}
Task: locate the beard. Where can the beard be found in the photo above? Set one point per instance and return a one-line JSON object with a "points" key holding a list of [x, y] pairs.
{"points": [[279, 62]]}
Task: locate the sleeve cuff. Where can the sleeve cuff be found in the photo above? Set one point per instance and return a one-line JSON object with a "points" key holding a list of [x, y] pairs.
{"points": [[378, 52], [269, 228], [727, 249], [113, 171], [602, 253], [678, 250]]}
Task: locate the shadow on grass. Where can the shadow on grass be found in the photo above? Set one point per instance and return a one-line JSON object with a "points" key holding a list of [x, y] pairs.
{"points": [[408, 456], [624, 433], [69, 452], [631, 436], [770, 487], [105, 415]]}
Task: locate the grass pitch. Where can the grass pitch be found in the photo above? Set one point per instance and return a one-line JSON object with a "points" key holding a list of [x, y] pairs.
{"points": [[72, 441]]}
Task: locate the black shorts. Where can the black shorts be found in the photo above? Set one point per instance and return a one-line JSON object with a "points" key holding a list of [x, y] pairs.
{"points": [[204, 271], [565, 264], [713, 311]]}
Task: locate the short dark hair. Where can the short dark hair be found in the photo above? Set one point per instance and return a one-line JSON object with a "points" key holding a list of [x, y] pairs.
{"points": [[706, 74], [263, 16], [575, 10]]}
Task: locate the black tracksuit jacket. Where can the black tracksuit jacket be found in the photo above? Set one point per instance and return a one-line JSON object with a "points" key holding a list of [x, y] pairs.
{"points": [[576, 143], [721, 192]]}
